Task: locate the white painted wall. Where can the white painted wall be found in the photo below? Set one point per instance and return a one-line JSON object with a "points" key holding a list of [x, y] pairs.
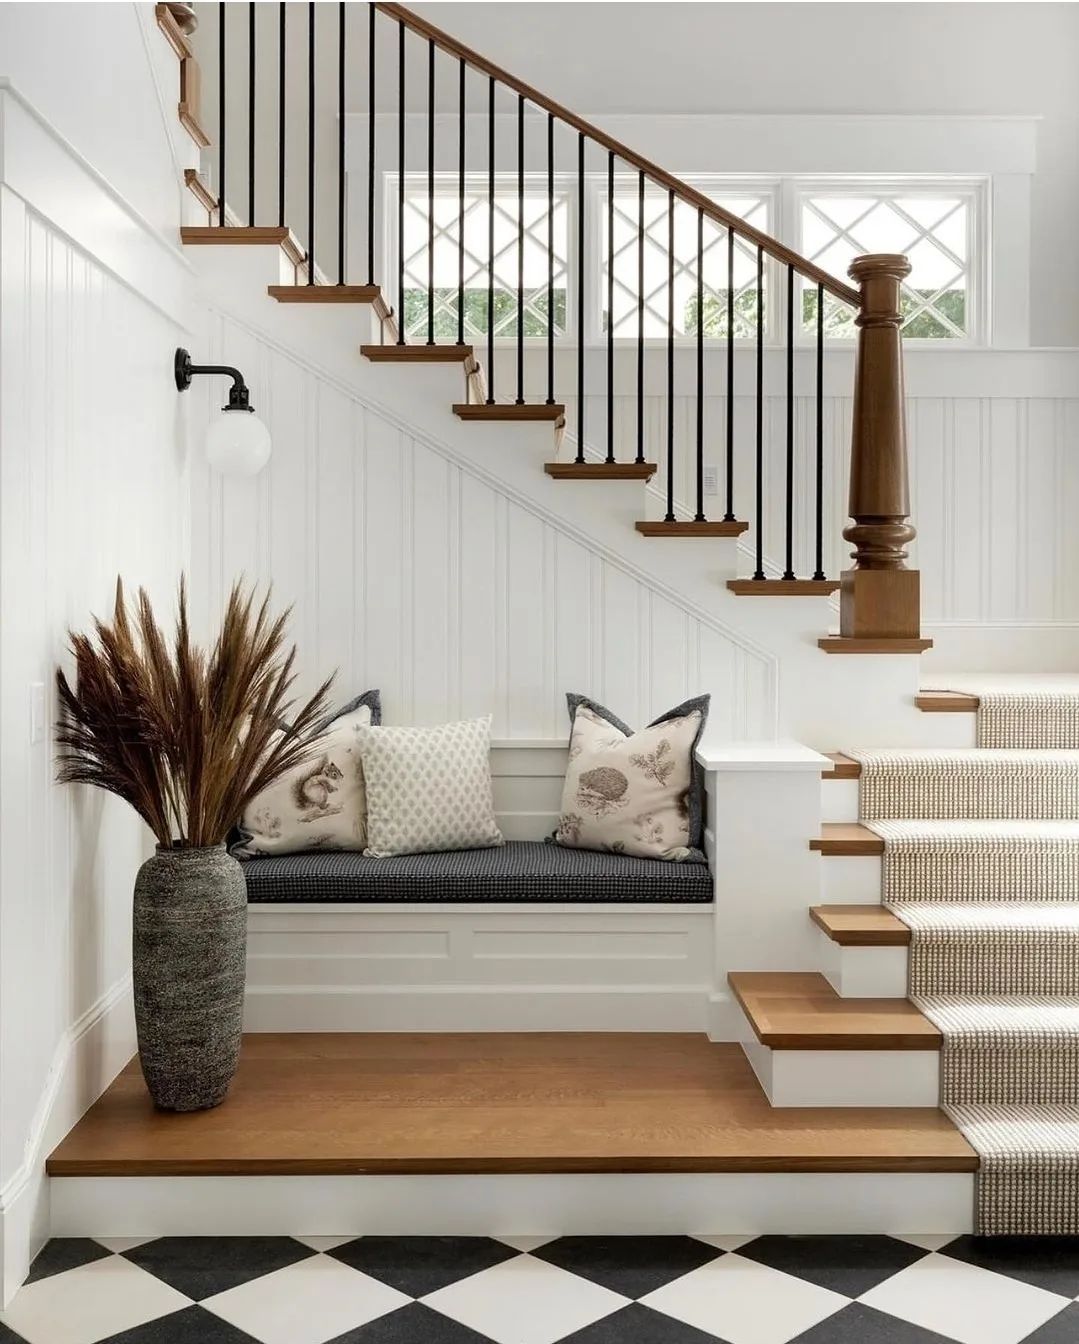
{"points": [[93, 483]]}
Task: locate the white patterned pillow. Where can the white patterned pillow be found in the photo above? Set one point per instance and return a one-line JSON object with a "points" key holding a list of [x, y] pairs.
{"points": [[321, 803], [429, 789], [633, 793]]}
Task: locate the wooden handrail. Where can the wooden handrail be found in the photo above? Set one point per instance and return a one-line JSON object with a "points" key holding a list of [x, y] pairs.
{"points": [[682, 190]]}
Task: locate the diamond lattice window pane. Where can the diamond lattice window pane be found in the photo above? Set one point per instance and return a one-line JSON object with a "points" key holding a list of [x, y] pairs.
{"points": [[718, 295], [932, 228], [478, 267]]}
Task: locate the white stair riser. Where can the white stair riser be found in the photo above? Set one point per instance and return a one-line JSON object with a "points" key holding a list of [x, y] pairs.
{"points": [[850, 879], [864, 972], [839, 800], [846, 1077], [586, 1203]]}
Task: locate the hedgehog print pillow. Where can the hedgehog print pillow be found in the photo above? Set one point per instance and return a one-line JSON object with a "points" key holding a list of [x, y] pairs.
{"points": [[321, 803], [637, 793]]}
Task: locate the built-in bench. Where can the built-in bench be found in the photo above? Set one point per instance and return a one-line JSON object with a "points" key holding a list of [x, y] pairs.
{"points": [[519, 871]]}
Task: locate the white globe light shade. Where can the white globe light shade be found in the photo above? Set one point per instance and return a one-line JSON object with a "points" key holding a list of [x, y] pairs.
{"points": [[237, 443]]}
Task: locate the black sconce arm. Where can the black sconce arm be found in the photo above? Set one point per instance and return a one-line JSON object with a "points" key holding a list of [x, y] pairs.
{"points": [[239, 397]]}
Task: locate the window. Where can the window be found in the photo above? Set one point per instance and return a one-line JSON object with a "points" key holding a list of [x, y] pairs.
{"points": [[754, 204], [446, 259], [935, 224], [940, 224]]}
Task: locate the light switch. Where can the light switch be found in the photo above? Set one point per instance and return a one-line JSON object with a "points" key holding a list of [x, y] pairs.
{"points": [[711, 479], [37, 711]]}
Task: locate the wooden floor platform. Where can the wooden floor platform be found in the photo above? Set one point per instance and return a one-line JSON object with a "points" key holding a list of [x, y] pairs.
{"points": [[341, 1104]]}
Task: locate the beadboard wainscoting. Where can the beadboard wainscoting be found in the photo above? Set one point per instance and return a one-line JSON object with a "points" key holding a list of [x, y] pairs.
{"points": [[92, 484], [410, 572]]}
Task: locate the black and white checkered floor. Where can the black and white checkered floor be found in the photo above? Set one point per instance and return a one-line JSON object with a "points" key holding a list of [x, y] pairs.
{"points": [[533, 1290]]}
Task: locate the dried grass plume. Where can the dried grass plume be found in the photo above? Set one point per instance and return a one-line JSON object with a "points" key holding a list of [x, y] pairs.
{"points": [[186, 736]]}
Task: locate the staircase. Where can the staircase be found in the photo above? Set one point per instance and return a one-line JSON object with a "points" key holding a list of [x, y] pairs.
{"points": [[854, 1032]]}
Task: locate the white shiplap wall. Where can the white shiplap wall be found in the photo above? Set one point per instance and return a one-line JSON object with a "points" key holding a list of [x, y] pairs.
{"points": [[92, 484], [410, 572]]}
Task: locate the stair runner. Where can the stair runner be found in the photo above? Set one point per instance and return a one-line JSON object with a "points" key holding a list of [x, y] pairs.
{"points": [[981, 862]]}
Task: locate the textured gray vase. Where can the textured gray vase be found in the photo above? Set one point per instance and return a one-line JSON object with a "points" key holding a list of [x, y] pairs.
{"points": [[189, 946]]}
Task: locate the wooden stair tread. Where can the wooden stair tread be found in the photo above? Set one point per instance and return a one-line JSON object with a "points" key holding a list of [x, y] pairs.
{"points": [[783, 587], [846, 837], [416, 354], [215, 235], [947, 702], [861, 925], [536, 410], [600, 471], [402, 1102], [325, 293], [799, 1010], [840, 644], [842, 768], [690, 528]]}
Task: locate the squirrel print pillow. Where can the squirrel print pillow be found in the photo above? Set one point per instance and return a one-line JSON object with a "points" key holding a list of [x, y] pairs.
{"points": [[321, 804], [632, 793]]}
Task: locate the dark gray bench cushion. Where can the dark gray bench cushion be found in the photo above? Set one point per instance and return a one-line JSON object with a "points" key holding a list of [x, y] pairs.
{"points": [[518, 871]]}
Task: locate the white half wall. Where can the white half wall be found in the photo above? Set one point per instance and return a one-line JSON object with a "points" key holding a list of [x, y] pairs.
{"points": [[92, 484]]}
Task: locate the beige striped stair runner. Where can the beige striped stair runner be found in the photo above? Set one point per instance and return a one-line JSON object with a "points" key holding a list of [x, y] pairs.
{"points": [[981, 862]]}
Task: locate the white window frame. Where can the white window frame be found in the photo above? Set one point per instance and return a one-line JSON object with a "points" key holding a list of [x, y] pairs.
{"points": [[768, 186], [975, 190], [787, 193]]}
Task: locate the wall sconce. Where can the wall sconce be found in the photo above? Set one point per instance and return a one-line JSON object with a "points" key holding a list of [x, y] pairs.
{"points": [[237, 442]]}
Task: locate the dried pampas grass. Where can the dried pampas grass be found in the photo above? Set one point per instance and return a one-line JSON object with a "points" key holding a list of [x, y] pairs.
{"points": [[187, 737]]}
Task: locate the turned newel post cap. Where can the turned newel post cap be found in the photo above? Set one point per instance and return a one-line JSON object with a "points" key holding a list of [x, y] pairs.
{"points": [[878, 275]]}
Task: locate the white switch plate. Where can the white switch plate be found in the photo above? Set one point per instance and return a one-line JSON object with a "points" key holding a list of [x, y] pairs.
{"points": [[711, 479], [37, 711]]}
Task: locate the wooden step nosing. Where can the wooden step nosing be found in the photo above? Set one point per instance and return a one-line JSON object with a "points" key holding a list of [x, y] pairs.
{"points": [[844, 644], [417, 354], [783, 587], [685, 528], [947, 702], [846, 838], [843, 767], [830, 1036], [826, 917], [597, 471]]}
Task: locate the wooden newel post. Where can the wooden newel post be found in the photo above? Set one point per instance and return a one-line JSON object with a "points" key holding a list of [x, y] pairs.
{"points": [[879, 597]]}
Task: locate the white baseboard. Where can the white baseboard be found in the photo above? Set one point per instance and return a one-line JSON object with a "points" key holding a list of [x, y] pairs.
{"points": [[481, 1205], [89, 1056]]}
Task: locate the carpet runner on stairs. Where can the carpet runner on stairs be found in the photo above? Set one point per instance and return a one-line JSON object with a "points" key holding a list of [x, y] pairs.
{"points": [[982, 863]]}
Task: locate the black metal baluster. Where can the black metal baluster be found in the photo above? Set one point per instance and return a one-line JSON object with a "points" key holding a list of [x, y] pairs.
{"points": [[341, 143], [461, 206], [431, 192], [580, 298], [400, 183], [788, 571], [700, 518], [818, 572], [281, 114], [640, 317], [728, 517], [550, 258], [491, 242], [371, 11], [669, 517], [251, 113], [520, 250], [610, 307], [311, 143], [758, 573], [221, 113]]}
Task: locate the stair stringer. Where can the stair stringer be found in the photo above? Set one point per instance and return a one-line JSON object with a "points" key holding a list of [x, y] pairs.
{"points": [[788, 687]]}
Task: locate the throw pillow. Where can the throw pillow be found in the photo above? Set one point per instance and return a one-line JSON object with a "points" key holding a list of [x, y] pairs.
{"points": [[321, 804], [429, 788], [634, 793]]}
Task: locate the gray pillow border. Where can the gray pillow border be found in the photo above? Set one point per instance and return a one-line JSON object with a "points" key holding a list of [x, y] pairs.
{"points": [[697, 703], [239, 838]]}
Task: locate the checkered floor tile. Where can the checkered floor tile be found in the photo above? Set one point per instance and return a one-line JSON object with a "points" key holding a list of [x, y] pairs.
{"points": [[558, 1290]]}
